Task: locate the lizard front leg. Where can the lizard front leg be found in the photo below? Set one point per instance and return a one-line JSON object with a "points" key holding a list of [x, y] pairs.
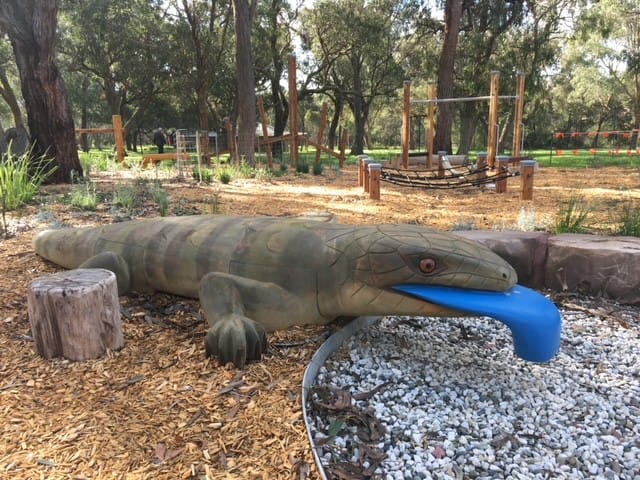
{"points": [[228, 302], [114, 263]]}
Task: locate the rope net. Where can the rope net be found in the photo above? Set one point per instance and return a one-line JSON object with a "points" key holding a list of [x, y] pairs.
{"points": [[459, 177]]}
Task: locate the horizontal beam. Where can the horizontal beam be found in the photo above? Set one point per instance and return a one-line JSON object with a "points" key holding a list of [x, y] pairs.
{"points": [[463, 99], [94, 130]]}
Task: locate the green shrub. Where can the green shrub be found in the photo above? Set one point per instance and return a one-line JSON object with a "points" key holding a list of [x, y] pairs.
{"points": [[84, 196], [572, 216], [318, 168], [20, 181], [224, 176], [161, 198], [302, 168], [283, 167], [18, 185], [629, 221], [125, 197], [203, 174]]}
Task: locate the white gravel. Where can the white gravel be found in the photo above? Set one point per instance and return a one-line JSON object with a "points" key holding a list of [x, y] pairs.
{"points": [[458, 404]]}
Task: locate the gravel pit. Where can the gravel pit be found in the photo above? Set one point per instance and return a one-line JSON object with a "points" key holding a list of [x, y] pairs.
{"points": [[428, 398]]}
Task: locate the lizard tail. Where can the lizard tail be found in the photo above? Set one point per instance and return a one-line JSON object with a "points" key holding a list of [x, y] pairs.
{"points": [[67, 247]]}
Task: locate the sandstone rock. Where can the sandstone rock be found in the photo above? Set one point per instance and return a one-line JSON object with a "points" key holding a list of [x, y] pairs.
{"points": [[595, 265], [525, 251]]}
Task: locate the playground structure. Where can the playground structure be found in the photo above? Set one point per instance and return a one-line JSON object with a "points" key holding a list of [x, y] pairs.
{"points": [[117, 131], [493, 133], [294, 138], [371, 174], [597, 143]]}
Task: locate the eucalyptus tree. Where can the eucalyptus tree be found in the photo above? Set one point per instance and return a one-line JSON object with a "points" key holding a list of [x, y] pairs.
{"points": [[244, 13], [31, 27], [273, 43], [354, 43], [607, 49], [201, 39], [124, 45], [7, 65]]}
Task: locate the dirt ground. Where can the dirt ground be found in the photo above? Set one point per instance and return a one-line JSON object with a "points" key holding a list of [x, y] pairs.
{"points": [[158, 409]]}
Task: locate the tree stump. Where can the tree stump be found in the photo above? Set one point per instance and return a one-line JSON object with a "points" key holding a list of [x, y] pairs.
{"points": [[75, 314]]}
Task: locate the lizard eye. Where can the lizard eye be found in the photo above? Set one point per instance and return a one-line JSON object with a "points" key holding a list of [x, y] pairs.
{"points": [[427, 265]]}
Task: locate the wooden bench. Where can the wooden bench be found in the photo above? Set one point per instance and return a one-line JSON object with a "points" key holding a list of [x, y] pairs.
{"points": [[156, 158]]}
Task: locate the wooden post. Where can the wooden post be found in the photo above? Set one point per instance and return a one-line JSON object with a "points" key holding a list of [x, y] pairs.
{"points": [[374, 180], [265, 131], [344, 139], [481, 163], [231, 140], [493, 120], [527, 168], [293, 110], [75, 314], [323, 123], [365, 173], [118, 135], [361, 169], [518, 115], [441, 155], [501, 173], [431, 131], [406, 124]]}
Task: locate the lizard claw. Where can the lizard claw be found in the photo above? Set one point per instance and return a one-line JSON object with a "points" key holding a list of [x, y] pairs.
{"points": [[237, 339]]}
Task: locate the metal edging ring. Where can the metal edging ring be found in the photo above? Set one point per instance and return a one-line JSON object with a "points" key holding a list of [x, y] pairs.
{"points": [[330, 345]]}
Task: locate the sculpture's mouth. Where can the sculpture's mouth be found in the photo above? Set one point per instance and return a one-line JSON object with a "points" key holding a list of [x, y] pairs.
{"points": [[534, 321]]}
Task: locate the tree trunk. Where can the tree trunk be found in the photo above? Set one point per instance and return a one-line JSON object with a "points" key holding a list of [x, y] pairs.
{"points": [[246, 82], [452, 18], [10, 97], [338, 104], [505, 133], [84, 112], [31, 27], [468, 123]]}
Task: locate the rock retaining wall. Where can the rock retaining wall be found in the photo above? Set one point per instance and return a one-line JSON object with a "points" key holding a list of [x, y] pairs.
{"points": [[588, 264]]}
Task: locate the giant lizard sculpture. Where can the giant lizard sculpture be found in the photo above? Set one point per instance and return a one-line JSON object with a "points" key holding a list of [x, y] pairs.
{"points": [[257, 274]]}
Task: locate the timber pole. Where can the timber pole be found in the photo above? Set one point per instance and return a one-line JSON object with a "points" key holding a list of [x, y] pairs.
{"points": [[265, 131], [323, 122], [293, 110], [118, 135], [519, 115], [493, 120], [431, 127], [406, 123]]}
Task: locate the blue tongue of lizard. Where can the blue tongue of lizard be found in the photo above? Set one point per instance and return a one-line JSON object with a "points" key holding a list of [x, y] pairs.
{"points": [[534, 321]]}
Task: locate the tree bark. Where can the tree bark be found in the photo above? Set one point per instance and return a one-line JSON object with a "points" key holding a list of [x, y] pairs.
{"points": [[468, 123], [338, 104], [246, 83], [452, 18], [75, 314], [31, 27], [10, 97]]}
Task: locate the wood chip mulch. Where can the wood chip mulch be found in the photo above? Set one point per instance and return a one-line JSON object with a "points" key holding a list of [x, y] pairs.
{"points": [[157, 409]]}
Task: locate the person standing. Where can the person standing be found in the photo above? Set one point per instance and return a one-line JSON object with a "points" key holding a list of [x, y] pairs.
{"points": [[159, 140]]}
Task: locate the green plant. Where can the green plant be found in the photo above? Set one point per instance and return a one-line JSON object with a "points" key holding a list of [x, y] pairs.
{"points": [[161, 198], [84, 196], [20, 179], [283, 167], [224, 176], [202, 174], [263, 174], [572, 216], [629, 221], [302, 168], [318, 168], [125, 197]]}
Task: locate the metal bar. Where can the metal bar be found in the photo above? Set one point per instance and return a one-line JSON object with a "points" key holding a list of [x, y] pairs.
{"points": [[463, 99]]}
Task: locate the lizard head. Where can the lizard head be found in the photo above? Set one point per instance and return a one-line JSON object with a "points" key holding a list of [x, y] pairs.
{"points": [[401, 254], [412, 270]]}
